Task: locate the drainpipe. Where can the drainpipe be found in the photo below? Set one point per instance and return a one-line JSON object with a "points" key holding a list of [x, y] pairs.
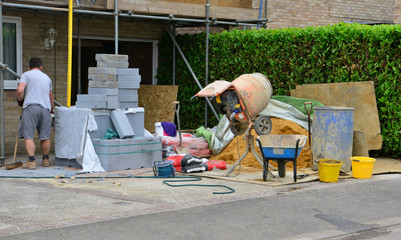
{"points": [[266, 9], [2, 157], [260, 11], [207, 54], [116, 26]]}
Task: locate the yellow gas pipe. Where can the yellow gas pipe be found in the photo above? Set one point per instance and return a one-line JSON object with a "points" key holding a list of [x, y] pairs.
{"points": [[69, 68]]}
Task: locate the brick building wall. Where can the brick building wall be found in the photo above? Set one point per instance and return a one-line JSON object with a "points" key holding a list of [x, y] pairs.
{"points": [[34, 27], [397, 11], [294, 13]]}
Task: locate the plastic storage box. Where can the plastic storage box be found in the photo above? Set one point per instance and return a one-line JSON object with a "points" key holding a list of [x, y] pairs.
{"points": [[122, 154]]}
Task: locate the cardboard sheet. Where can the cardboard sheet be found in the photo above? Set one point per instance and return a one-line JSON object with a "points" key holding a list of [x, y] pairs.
{"points": [[158, 103], [358, 95]]}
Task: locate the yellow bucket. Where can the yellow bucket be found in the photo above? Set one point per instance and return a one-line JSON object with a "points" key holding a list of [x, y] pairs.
{"points": [[329, 170], [362, 167]]}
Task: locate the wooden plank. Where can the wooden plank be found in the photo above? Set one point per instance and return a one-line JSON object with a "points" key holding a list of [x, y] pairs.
{"points": [[158, 103], [185, 9], [359, 95]]}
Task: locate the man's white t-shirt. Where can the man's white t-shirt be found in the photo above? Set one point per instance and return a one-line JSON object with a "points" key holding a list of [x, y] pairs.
{"points": [[38, 87]]}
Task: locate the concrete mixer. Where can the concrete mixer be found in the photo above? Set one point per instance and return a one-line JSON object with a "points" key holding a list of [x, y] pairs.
{"points": [[242, 100]]}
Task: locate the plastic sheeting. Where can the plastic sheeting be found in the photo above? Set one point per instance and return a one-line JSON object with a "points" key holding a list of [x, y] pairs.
{"points": [[72, 140], [285, 111], [223, 136]]}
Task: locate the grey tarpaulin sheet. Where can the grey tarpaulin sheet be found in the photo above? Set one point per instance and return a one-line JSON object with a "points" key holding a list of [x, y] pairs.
{"points": [[72, 140], [285, 111]]}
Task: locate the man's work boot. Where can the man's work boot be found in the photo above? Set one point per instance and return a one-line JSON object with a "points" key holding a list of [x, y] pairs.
{"points": [[45, 162], [29, 165]]}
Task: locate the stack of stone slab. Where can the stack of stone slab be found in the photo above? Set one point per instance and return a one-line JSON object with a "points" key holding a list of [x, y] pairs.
{"points": [[128, 84], [113, 98], [103, 83], [113, 86]]}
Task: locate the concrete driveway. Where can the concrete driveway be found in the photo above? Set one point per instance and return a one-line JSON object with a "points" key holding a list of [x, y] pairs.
{"points": [[130, 208]]}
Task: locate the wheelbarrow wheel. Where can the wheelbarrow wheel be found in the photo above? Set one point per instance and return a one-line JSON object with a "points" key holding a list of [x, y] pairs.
{"points": [[281, 168], [263, 125]]}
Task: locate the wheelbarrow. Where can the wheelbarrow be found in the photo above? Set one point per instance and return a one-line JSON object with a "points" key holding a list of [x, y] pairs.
{"points": [[281, 149]]}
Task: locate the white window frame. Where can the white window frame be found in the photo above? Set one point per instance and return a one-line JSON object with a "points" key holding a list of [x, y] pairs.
{"points": [[12, 84]]}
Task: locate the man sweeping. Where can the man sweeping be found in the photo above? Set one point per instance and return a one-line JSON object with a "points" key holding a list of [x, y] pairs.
{"points": [[34, 95]]}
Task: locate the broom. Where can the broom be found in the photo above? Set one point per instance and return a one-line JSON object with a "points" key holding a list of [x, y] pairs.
{"points": [[14, 164]]}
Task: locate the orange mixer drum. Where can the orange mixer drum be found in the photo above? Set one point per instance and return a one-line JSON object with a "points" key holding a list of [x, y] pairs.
{"points": [[255, 91]]}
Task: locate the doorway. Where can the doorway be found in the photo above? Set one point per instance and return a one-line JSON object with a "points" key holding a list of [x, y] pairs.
{"points": [[140, 55]]}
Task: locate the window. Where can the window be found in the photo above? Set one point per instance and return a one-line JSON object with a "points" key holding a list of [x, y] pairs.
{"points": [[12, 49]]}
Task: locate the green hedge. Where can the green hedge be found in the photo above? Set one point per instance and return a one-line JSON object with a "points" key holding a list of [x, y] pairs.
{"points": [[336, 53]]}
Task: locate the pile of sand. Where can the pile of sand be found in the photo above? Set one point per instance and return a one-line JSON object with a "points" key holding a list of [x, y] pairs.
{"points": [[279, 126]]}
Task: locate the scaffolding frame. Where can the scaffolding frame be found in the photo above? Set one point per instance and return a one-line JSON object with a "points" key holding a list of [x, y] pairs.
{"points": [[116, 14]]}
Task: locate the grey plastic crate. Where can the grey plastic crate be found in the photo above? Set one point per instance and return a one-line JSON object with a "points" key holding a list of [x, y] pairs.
{"points": [[136, 117], [122, 124], [121, 154], [103, 121]]}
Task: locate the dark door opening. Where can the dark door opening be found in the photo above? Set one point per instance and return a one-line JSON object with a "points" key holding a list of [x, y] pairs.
{"points": [[140, 55]]}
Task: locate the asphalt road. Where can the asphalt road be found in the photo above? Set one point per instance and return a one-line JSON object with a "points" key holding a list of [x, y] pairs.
{"points": [[350, 209]]}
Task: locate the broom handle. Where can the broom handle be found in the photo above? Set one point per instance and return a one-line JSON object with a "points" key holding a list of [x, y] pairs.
{"points": [[16, 142], [16, 146]]}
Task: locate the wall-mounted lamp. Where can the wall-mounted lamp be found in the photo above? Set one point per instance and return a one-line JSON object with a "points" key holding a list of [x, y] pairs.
{"points": [[50, 38]]}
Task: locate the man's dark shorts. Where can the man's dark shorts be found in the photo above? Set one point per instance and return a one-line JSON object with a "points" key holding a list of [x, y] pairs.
{"points": [[35, 117]]}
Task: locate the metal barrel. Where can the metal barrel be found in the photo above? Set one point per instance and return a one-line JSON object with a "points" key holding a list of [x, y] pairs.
{"points": [[332, 135]]}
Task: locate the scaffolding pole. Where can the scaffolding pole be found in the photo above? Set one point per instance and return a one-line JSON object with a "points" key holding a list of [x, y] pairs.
{"points": [[174, 52], [2, 157], [192, 72], [79, 85], [116, 27], [207, 54], [138, 16]]}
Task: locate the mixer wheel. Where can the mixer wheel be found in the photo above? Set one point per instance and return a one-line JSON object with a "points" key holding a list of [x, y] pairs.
{"points": [[263, 125], [238, 129]]}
